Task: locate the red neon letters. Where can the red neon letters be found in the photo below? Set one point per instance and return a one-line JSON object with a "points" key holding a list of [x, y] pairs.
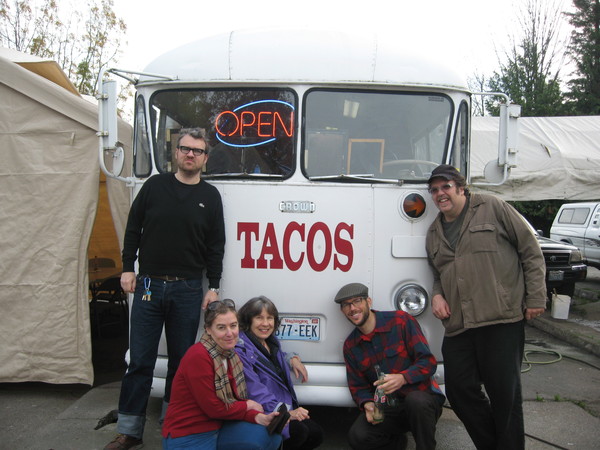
{"points": [[264, 124], [337, 246]]}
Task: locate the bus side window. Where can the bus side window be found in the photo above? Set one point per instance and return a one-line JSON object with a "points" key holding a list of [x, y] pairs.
{"points": [[142, 165]]}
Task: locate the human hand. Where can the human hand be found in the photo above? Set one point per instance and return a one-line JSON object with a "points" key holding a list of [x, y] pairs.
{"points": [[369, 408], [251, 404], [299, 414], [128, 282], [391, 382], [532, 313], [440, 307], [299, 369], [265, 419], [209, 297]]}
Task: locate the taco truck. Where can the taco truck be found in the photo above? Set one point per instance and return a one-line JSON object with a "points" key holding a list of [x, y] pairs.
{"points": [[321, 145]]}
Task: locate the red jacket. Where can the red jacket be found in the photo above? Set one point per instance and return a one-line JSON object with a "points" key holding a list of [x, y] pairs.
{"points": [[194, 406]]}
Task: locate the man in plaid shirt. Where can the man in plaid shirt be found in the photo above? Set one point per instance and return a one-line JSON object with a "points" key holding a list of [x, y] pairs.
{"points": [[394, 341]]}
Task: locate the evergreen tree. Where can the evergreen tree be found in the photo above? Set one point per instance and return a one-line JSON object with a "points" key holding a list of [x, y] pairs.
{"points": [[584, 95]]}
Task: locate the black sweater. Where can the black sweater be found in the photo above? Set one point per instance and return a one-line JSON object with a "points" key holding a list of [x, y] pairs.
{"points": [[178, 229]]}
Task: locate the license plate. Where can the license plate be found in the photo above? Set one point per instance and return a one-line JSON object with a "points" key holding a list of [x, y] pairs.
{"points": [[296, 328], [556, 275]]}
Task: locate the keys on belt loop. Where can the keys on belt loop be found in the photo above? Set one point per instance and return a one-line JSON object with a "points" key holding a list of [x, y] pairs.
{"points": [[148, 294]]}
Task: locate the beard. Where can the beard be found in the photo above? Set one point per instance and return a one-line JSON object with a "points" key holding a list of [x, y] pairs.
{"points": [[188, 172], [365, 317]]}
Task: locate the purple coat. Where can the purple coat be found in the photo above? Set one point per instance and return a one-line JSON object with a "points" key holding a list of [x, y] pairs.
{"points": [[264, 385]]}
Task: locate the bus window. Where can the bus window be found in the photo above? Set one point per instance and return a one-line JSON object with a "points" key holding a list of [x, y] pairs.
{"points": [[390, 135], [249, 131], [460, 147], [142, 164]]}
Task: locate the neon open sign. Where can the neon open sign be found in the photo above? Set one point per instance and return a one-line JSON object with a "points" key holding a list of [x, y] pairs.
{"points": [[255, 123]]}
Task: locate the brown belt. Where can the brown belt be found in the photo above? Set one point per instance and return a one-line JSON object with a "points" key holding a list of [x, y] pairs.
{"points": [[167, 277]]}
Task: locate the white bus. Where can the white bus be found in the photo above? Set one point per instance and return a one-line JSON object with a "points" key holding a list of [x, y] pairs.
{"points": [[321, 147]]}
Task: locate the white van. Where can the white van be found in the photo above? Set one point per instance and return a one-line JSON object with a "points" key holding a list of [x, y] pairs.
{"points": [[321, 147], [579, 224]]}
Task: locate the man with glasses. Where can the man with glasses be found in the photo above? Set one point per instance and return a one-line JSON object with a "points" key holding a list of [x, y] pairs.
{"points": [[489, 276], [392, 340], [176, 231]]}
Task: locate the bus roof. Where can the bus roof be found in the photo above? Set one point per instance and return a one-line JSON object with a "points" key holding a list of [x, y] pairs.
{"points": [[300, 56]]}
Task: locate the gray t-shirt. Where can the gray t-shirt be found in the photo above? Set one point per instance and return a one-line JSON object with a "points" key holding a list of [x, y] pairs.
{"points": [[452, 229]]}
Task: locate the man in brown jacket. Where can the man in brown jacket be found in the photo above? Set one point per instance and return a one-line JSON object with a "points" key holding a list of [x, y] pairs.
{"points": [[489, 275]]}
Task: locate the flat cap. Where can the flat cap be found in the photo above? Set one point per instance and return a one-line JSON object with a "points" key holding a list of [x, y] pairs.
{"points": [[444, 171], [351, 290]]}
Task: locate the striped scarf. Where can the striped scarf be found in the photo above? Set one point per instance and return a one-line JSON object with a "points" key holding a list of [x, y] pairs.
{"points": [[221, 358]]}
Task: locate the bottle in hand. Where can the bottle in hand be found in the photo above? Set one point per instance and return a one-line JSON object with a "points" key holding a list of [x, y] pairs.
{"points": [[379, 399]]}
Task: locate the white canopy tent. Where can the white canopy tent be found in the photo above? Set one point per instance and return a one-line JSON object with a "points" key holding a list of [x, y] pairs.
{"points": [[49, 181], [558, 158]]}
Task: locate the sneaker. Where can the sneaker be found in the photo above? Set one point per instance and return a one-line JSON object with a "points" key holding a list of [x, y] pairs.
{"points": [[124, 442]]}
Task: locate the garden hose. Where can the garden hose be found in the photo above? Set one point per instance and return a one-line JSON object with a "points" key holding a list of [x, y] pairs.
{"points": [[529, 363]]}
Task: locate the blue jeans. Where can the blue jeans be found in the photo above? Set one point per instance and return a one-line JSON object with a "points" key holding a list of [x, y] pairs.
{"points": [[237, 435], [177, 306], [233, 435], [199, 441]]}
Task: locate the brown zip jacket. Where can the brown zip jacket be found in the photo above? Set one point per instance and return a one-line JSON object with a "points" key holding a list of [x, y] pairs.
{"points": [[496, 270]]}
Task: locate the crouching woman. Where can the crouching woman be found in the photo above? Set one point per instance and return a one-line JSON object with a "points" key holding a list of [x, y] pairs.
{"points": [[209, 409], [267, 372]]}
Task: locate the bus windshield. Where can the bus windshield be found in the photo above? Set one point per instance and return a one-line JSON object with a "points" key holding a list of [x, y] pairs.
{"points": [[251, 132], [388, 135], [349, 135]]}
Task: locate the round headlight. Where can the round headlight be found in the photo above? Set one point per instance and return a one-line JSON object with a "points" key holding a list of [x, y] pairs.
{"points": [[412, 299]]}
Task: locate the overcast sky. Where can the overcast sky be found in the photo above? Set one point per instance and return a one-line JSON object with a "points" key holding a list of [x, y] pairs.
{"points": [[466, 33]]}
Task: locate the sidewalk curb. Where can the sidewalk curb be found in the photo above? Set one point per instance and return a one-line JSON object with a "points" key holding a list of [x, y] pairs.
{"points": [[586, 293], [578, 335]]}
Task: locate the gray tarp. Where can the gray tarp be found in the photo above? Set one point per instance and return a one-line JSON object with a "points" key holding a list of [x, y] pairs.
{"points": [[558, 158], [48, 198]]}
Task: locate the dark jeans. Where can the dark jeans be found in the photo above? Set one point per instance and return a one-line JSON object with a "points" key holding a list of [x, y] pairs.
{"points": [[417, 413], [177, 306], [491, 356]]}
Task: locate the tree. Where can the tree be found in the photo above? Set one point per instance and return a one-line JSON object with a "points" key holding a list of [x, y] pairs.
{"points": [[81, 41], [529, 75], [478, 83], [584, 50]]}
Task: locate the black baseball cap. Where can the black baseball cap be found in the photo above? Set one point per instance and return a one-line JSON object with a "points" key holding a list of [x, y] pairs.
{"points": [[444, 171]]}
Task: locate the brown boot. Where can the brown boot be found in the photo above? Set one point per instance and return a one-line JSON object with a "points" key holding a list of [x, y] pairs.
{"points": [[124, 442]]}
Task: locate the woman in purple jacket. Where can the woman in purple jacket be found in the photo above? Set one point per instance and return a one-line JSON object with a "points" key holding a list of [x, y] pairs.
{"points": [[267, 372]]}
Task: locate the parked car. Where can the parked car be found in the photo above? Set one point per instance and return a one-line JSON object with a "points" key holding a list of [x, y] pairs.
{"points": [[578, 224], [564, 265]]}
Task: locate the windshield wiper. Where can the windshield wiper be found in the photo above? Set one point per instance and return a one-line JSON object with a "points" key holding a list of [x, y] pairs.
{"points": [[360, 177], [243, 175]]}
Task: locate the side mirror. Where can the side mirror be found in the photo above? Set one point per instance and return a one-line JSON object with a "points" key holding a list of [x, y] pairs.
{"points": [[108, 126], [497, 171]]}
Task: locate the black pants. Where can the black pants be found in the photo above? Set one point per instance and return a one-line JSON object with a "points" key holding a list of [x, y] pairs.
{"points": [[304, 435], [417, 413], [490, 356]]}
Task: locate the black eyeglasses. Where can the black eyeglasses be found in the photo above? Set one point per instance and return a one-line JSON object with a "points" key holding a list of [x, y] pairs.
{"points": [[355, 302], [197, 151], [227, 302], [445, 187]]}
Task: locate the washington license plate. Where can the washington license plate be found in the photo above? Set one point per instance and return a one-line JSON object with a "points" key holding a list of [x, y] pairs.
{"points": [[556, 275], [298, 328]]}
